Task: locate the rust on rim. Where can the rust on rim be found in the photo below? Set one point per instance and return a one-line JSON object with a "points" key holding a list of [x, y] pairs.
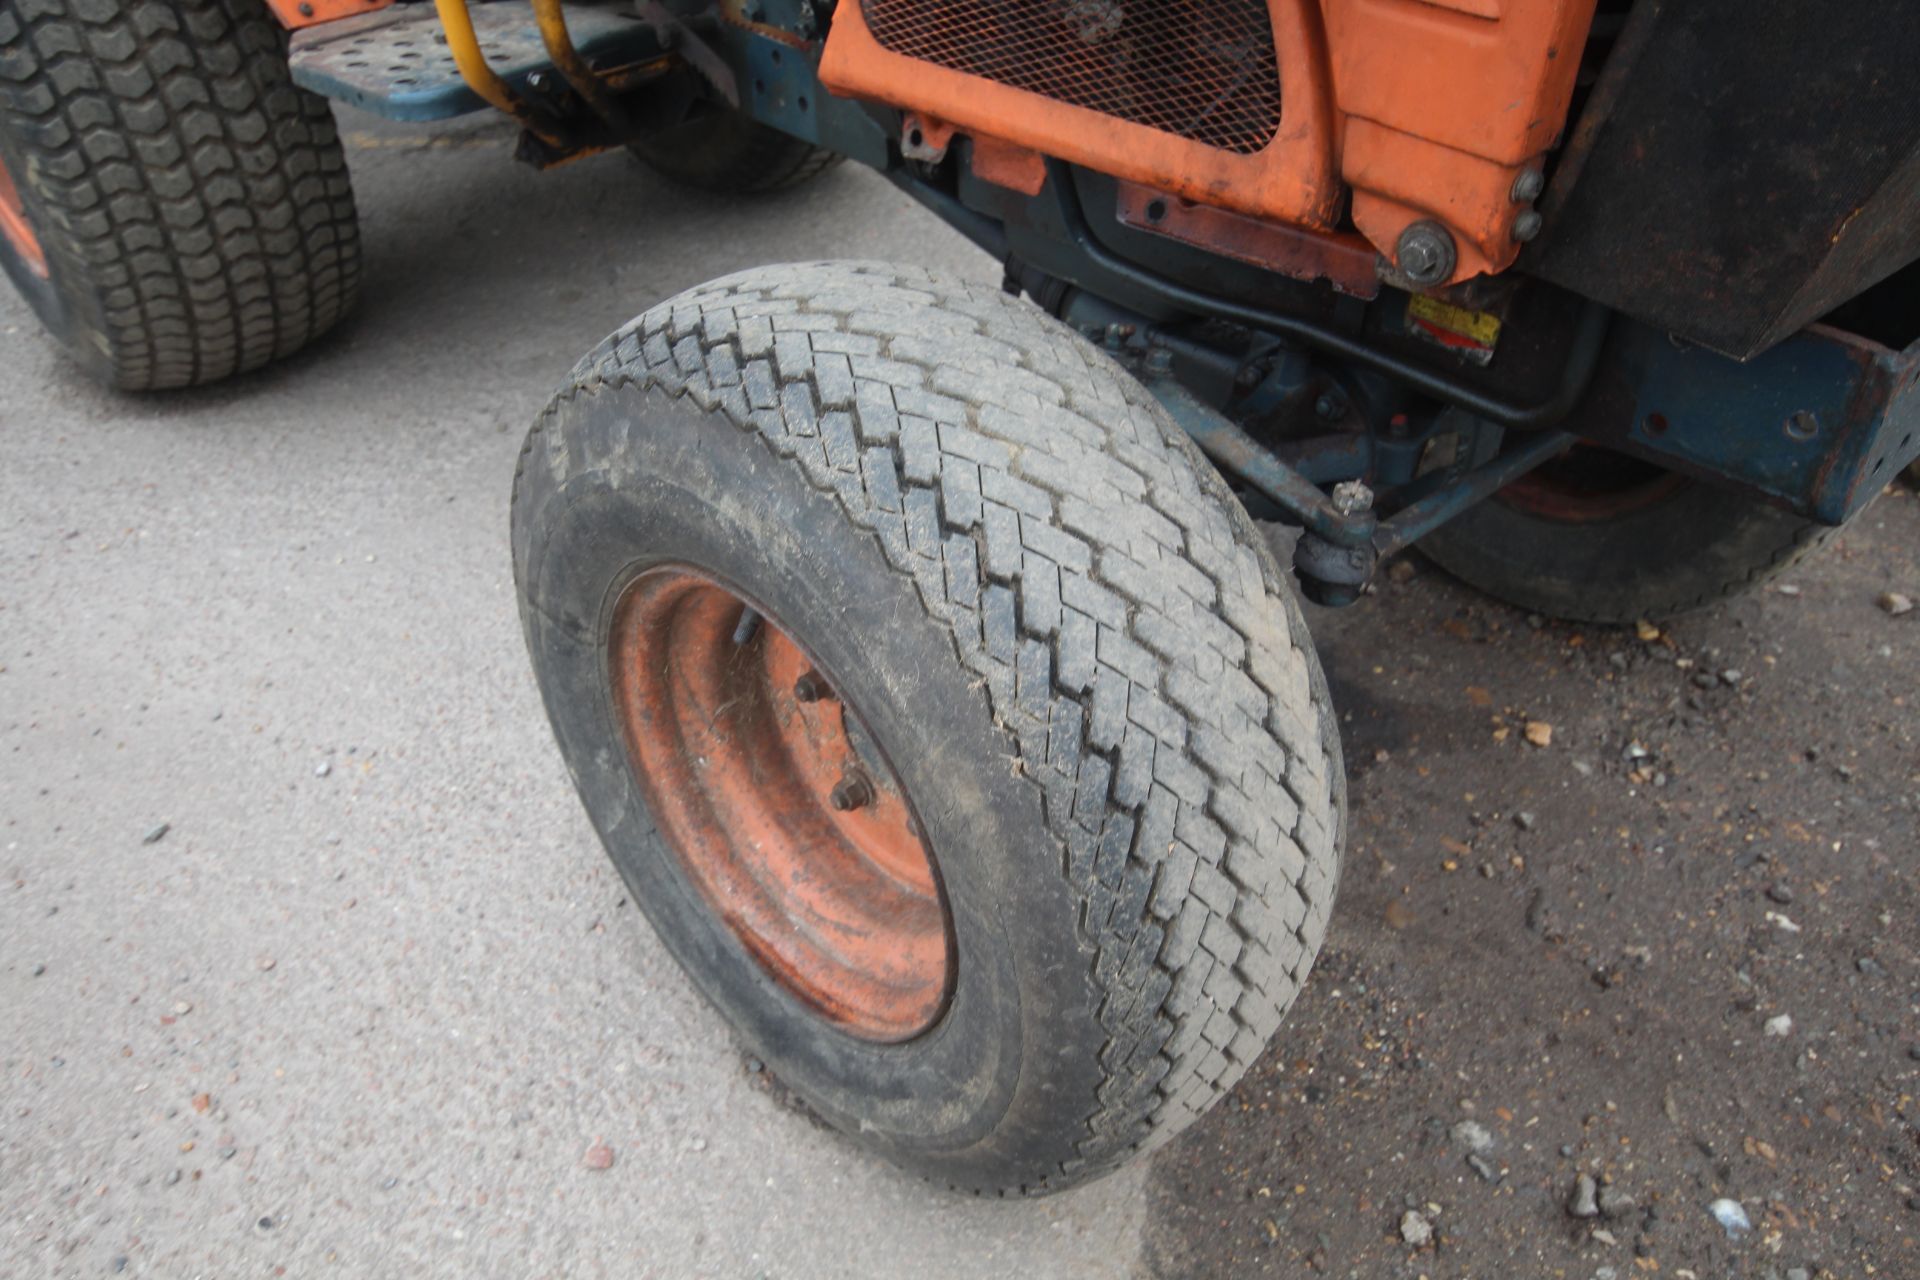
{"points": [[1586, 485], [14, 226], [778, 805]]}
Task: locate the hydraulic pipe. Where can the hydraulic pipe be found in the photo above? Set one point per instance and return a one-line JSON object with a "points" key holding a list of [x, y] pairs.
{"points": [[471, 60], [585, 81]]}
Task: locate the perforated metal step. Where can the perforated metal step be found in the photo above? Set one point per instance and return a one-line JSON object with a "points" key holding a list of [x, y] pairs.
{"points": [[395, 62]]}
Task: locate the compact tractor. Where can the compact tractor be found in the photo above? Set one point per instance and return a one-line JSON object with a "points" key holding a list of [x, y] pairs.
{"points": [[917, 647]]}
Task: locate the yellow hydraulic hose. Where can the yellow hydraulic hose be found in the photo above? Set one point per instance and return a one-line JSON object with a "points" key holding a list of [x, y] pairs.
{"points": [[472, 61], [585, 81], [468, 56]]}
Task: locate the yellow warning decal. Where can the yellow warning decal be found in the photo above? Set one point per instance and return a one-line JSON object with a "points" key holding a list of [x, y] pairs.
{"points": [[1481, 328]]}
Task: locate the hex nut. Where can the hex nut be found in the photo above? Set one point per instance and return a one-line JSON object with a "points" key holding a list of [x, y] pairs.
{"points": [[1425, 254]]}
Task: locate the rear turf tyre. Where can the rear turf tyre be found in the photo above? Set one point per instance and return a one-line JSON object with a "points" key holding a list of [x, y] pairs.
{"points": [[1063, 642], [730, 153], [180, 212], [1596, 537]]}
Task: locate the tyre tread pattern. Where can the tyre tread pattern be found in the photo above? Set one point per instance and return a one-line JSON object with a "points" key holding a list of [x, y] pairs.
{"points": [[1735, 551], [1156, 681], [1799, 542], [202, 198], [763, 160]]}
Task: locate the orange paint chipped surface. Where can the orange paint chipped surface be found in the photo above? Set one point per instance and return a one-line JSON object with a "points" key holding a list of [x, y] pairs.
{"points": [[295, 14], [15, 228], [1410, 111], [778, 807]]}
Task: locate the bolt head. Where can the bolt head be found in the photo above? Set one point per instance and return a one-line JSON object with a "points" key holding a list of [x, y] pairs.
{"points": [[1351, 497], [1328, 408], [1526, 226], [1425, 254], [1527, 186], [853, 791], [810, 687]]}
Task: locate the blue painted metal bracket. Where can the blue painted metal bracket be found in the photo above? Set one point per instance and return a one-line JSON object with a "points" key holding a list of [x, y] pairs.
{"points": [[395, 63], [1245, 458], [1820, 423], [779, 77]]}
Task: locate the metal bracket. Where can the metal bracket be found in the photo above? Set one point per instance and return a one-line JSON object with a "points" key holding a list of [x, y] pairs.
{"points": [[1112, 272], [924, 139], [1342, 537], [679, 37]]}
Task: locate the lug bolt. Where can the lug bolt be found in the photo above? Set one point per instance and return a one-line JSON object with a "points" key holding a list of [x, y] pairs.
{"points": [[810, 687], [1425, 254], [1526, 226], [853, 791], [1527, 186], [1328, 408]]}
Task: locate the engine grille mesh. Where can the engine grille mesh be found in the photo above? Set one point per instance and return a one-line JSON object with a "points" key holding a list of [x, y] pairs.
{"points": [[1203, 70]]}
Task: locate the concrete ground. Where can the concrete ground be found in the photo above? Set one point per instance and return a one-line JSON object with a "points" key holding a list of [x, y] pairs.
{"points": [[364, 1004], [374, 1017]]}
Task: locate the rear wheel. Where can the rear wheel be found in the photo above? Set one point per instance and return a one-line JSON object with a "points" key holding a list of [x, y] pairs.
{"points": [[947, 717], [171, 206], [731, 154], [1595, 536]]}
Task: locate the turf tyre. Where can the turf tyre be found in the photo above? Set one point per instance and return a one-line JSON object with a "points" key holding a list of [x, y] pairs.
{"points": [[1690, 546], [730, 153], [191, 204], [1068, 638]]}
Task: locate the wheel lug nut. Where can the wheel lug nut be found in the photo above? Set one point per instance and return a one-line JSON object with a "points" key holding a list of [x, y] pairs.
{"points": [[810, 687], [853, 791]]}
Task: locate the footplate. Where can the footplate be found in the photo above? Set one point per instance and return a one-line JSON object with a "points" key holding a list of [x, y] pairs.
{"points": [[395, 63]]}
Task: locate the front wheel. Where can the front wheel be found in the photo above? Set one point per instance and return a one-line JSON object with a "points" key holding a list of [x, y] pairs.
{"points": [[949, 720], [1595, 536]]}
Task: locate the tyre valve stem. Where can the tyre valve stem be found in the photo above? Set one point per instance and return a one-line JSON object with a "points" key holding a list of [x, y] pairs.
{"points": [[749, 623], [853, 791]]}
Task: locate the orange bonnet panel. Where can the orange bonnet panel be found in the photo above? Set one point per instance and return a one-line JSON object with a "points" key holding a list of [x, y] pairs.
{"points": [[1277, 109], [1194, 97]]}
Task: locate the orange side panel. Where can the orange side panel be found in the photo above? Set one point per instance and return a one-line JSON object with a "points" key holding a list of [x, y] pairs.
{"points": [[1496, 88], [1417, 109], [295, 14], [1291, 178], [1444, 103]]}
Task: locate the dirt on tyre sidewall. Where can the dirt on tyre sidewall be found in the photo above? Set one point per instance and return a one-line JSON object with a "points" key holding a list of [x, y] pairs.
{"points": [[1660, 550], [1070, 643], [191, 204]]}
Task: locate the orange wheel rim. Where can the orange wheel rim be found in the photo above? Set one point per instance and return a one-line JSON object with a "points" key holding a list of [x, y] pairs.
{"points": [[15, 228], [779, 807]]}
